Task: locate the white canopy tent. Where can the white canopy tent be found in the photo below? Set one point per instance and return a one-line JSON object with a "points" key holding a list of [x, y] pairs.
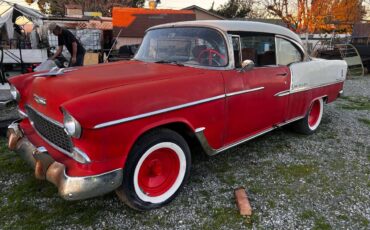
{"points": [[8, 17]]}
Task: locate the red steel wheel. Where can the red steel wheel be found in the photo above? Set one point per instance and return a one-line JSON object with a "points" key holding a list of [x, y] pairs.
{"points": [[155, 170], [315, 114], [312, 120], [159, 172]]}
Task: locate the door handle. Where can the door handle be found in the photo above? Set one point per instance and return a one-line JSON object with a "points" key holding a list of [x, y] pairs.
{"points": [[282, 74]]}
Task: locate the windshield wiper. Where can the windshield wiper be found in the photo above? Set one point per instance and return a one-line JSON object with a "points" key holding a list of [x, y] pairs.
{"points": [[169, 62]]}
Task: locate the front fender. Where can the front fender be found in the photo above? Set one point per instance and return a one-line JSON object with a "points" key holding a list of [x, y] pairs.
{"points": [[136, 100]]}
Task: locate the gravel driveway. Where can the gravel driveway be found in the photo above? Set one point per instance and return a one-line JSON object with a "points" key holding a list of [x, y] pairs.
{"points": [[320, 181]]}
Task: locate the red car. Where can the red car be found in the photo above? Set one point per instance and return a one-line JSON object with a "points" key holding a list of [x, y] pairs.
{"points": [[127, 126]]}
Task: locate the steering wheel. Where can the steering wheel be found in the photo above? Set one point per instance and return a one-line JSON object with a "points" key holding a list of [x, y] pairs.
{"points": [[212, 57]]}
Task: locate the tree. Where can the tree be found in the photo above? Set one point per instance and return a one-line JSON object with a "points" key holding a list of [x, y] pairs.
{"points": [[234, 9], [56, 7], [314, 15]]}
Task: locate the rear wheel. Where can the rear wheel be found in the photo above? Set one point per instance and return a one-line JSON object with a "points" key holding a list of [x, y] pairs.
{"points": [[309, 124], [156, 169]]}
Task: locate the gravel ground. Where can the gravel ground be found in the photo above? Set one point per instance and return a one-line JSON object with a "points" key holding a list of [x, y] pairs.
{"points": [[293, 181]]}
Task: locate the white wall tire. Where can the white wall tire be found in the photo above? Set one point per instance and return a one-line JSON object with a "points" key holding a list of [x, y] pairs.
{"points": [[140, 191], [310, 123], [155, 171], [315, 114]]}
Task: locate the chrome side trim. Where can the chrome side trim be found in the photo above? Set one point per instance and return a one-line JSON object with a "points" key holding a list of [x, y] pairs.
{"points": [[289, 121], [47, 118], [282, 93], [314, 87], [22, 114], [244, 91], [211, 151], [127, 119], [199, 133], [288, 92]]}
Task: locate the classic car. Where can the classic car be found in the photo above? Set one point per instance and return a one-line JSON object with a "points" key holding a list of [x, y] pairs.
{"points": [[127, 126]]}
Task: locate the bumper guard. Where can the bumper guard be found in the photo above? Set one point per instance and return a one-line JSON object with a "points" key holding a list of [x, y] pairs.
{"points": [[70, 188]]}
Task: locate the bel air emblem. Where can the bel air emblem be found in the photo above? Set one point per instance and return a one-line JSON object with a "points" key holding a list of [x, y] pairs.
{"points": [[39, 100]]}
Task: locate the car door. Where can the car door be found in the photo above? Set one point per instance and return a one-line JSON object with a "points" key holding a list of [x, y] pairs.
{"points": [[253, 103]]}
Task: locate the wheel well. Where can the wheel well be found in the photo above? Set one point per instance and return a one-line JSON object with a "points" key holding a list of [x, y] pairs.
{"points": [[184, 130], [325, 99]]}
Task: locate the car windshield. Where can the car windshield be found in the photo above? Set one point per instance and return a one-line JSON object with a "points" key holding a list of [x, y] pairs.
{"points": [[184, 46]]}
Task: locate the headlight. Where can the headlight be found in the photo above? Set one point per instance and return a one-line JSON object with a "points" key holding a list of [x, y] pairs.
{"points": [[15, 93], [71, 125]]}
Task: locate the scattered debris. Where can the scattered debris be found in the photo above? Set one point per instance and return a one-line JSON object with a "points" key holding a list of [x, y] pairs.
{"points": [[243, 202]]}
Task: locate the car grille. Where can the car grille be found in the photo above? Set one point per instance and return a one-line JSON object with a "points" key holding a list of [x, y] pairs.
{"points": [[49, 130]]}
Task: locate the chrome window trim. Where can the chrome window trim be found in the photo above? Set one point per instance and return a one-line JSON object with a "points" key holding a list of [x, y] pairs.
{"points": [[230, 65], [156, 112], [244, 91], [305, 55]]}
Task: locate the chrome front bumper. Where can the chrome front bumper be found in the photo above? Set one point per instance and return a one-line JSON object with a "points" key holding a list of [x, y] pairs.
{"points": [[70, 188]]}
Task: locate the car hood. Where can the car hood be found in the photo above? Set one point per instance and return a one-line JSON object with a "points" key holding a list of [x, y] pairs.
{"points": [[85, 80]]}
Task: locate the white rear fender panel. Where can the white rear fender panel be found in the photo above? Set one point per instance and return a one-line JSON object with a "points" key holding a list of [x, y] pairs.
{"points": [[316, 73]]}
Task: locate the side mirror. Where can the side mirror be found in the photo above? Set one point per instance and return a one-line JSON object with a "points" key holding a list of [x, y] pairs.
{"points": [[247, 65]]}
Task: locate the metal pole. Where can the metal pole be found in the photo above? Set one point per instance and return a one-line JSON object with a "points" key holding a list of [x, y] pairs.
{"points": [[111, 48]]}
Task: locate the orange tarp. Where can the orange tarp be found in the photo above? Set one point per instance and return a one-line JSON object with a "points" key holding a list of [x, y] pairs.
{"points": [[124, 17]]}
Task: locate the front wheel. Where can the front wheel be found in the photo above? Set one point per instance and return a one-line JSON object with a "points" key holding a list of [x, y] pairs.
{"points": [[309, 124], [155, 170]]}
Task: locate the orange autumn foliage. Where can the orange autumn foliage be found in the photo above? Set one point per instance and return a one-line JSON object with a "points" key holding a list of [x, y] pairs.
{"points": [[317, 15]]}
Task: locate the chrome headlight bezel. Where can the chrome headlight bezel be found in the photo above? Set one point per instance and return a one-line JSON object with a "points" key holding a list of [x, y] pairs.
{"points": [[16, 96], [71, 126]]}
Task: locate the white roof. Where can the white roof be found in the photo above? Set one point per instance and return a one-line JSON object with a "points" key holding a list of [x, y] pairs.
{"points": [[229, 25]]}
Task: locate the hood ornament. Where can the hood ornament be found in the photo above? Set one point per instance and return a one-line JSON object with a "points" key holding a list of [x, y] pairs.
{"points": [[39, 100], [55, 72]]}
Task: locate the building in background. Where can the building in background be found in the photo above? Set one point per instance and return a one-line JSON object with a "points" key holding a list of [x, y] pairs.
{"points": [[73, 10], [203, 14], [130, 24]]}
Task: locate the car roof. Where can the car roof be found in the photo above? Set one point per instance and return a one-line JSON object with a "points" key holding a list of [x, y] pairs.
{"points": [[230, 25]]}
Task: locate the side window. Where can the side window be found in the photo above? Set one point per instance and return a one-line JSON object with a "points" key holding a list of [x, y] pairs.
{"points": [[236, 49], [287, 52], [260, 48]]}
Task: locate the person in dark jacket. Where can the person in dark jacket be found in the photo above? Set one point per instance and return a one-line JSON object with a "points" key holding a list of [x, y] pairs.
{"points": [[74, 47]]}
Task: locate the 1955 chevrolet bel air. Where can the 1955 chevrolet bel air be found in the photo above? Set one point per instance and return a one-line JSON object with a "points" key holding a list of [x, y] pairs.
{"points": [[127, 126]]}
